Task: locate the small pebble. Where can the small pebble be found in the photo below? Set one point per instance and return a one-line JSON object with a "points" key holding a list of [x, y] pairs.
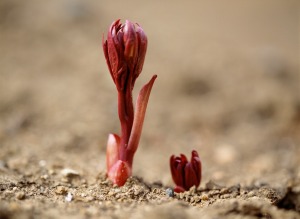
{"points": [[61, 190], [69, 197], [69, 172], [42, 163], [44, 177], [170, 192], [51, 172], [83, 195], [204, 197], [20, 195], [251, 194], [110, 193], [226, 196], [192, 200]]}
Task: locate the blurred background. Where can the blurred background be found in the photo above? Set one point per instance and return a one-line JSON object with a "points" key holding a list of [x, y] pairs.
{"points": [[228, 86]]}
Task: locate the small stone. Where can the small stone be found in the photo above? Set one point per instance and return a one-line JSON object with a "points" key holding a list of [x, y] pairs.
{"points": [[204, 197], [69, 197], [136, 192], [69, 173], [51, 172], [42, 163], [44, 177], [224, 191], [226, 196], [20, 195], [170, 192], [110, 193], [61, 190], [192, 200], [65, 180], [251, 194]]}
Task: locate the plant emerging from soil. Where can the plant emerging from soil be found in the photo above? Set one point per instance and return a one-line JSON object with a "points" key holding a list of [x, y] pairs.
{"points": [[185, 174], [125, 49]]}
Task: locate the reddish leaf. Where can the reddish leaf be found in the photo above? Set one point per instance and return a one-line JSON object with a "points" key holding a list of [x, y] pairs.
{"points": [[139, 116], [112, 150]]}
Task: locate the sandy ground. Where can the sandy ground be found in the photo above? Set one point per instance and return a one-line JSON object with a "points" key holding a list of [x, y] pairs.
{"points": [[228, 86]]}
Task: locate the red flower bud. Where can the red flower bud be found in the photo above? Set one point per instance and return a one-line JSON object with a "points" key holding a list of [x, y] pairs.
{"points": [[125, 50], [185, 174]]}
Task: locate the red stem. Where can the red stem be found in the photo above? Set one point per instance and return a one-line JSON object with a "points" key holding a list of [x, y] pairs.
{"points": [[126, 113]]}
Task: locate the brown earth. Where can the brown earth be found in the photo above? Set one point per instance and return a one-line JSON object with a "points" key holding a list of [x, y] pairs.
{"points": [[228, 86]]}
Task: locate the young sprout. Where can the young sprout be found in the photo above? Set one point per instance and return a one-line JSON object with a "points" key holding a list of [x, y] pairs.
{"points": [[125, 49], [185, 174]]}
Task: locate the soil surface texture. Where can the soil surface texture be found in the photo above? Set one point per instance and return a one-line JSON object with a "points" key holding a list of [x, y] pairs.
{"points": [[228, 86]]}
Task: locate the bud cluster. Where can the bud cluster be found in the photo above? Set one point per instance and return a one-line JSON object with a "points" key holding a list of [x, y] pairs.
{"points": [[185, 174]]}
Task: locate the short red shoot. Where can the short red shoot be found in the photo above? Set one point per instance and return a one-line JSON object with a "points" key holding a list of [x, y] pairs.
{"points": [[185, 174], [125, 50]]}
